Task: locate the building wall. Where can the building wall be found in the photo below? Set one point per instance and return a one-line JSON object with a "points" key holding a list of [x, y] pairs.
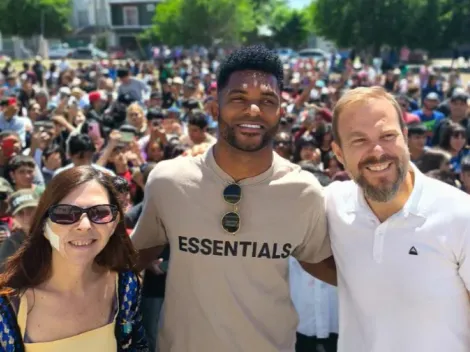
{"points": [[90, 13], [145, 13]]}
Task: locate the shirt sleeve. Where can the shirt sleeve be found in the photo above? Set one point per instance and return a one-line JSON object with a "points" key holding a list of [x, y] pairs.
{"points": [[463, 260], [150, 230], [316, 246]]}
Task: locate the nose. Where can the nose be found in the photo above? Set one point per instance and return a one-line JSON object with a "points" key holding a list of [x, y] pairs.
{"points": [[84, 223], [254, 110], [377, 150]]}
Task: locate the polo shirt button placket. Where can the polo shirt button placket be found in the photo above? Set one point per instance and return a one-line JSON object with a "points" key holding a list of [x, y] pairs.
{"points": [[378, 247]]}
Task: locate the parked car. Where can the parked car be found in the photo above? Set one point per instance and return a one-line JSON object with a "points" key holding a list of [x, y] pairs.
{"points": [[316, 54], [285, 54], [88, 53], [60, 50]]}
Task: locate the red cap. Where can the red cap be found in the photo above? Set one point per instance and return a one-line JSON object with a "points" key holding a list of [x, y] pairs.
{"points": [[94, 96], [12, 101]]}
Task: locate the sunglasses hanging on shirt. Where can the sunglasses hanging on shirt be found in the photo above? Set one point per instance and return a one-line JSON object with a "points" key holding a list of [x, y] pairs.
{"points": [[231, 220]]}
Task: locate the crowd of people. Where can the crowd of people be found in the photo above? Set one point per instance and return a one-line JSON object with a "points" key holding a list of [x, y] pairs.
{"points": [[96, 139]]}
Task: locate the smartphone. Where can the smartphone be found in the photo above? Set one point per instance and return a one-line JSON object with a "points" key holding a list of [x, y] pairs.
{"points": [[38, 126], [8, 147], [156, 122], [94, 129], [127, 137]]}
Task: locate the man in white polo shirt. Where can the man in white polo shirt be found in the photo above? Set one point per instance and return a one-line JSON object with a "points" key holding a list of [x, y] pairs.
{"points": [[400, 239]]}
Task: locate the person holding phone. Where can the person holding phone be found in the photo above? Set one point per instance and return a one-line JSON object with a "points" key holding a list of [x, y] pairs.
{"points": [[10, 121]]}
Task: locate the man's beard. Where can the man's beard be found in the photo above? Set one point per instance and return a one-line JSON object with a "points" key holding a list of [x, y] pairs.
{"points": [[384, 192], [227, 132]]}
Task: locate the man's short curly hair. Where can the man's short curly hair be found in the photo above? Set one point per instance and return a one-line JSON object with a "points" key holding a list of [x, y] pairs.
{"points": [[255, 58]]}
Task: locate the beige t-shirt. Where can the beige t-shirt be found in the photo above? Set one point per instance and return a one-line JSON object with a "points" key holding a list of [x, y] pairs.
{"points": [[223, 292]]}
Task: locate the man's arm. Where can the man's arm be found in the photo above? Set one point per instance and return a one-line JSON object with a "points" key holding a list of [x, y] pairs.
{"points": [[314, 253], [148, 255], [149, 234], [324, 271]]}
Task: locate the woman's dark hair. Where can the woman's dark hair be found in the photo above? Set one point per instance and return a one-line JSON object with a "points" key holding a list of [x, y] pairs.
{"points": [[322, 132], [31, 264], [444, 176], [121, 185], [51, 149], [79, 144], [433, 159], [447, 133], [160, 145], [304, 141], [148, 169], [176, 151], [326, 158]]}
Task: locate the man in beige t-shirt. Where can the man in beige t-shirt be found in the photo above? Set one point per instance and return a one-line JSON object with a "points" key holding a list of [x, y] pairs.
{"points": [[230, 292]]}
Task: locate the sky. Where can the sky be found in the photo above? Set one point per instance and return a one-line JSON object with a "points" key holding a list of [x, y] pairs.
{"points": [[298, 4]]}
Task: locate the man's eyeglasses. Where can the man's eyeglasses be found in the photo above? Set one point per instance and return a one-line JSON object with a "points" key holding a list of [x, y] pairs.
{"points": [[231, 220], [67, 214]]}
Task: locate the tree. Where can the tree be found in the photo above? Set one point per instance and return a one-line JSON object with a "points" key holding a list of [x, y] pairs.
{"points": [[25, 18], [202, 22], [454, 21], [293, 31], [364, 24], [368, 24]]}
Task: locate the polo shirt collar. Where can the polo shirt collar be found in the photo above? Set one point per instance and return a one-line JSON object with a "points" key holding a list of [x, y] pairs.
{"points": [[412, 206]]}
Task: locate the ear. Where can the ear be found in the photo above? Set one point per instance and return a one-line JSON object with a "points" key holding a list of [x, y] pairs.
{"points": [[216, 110], [338, 152]]}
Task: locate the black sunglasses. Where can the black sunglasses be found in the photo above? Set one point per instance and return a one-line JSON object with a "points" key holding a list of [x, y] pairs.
{"points": [[66, 214], [231, 220]]}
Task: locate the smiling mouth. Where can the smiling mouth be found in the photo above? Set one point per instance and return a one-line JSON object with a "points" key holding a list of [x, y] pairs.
{"points": [[251, 126], [379, 166], [250, 129], [82, 243]]}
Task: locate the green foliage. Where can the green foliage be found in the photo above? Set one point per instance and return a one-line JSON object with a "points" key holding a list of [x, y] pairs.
{"points": [[202, 22], [368, 24], [26, 17], [293, 32]]}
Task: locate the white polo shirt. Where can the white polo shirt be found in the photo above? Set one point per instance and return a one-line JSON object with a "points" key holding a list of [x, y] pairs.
{"points": [[402, 284]]}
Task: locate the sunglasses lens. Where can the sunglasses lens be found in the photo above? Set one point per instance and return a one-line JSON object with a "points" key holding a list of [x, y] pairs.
{"points": [[102, 214], [65, 214], [232, 193], [231, 222]]}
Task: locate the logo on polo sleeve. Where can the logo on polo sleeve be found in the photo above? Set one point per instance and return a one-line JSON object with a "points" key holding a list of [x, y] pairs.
{"points": [[413, 251]]}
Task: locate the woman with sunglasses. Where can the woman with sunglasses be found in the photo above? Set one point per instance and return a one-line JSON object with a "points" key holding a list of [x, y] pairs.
{"points": [[454, 141], [72, 285]]}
